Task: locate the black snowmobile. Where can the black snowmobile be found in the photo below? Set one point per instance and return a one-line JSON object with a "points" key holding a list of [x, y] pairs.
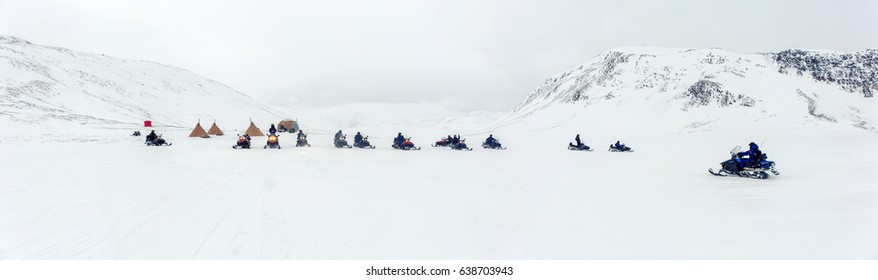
{"points": [[243, 142], [461, 145], [744, 167], [136, 133], [364, 144], [342, 142], [272, 142], [620, 147], [406, 145], [493, 145], [157, 140], [580, 147], [302, 141]]}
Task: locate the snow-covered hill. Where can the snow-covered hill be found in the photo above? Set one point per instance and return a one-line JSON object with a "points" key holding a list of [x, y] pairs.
{"points": [[666, 89], [56, 87]]}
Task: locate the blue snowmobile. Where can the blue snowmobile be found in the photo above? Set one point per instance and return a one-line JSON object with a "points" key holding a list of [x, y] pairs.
{"points": [[744, 166]]}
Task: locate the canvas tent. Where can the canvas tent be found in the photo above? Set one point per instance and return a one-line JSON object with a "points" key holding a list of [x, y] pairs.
{"points": [[291, 125], [214, 130], [253, 130], [198, 131]]}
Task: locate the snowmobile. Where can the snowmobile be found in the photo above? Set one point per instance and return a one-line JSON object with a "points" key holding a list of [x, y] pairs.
{"points": [[461, 146], [157, 141], [364, 144], [272, 142], [243, 142], [493, 145], [406, 145], [444, 142], [743, 167], [620, 148], [581, 147], [136, 133], [302, 141], [342, 142]]}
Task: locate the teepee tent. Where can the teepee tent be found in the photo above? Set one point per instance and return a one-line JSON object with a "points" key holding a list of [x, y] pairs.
{"points": [[290, 125], [214, 130], [253, 130], [198, 131]]}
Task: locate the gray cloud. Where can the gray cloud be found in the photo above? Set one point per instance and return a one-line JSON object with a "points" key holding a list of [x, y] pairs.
{"points": [[488, 54]]}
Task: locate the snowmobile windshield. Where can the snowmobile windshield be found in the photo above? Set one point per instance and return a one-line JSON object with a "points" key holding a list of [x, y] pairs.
{"points": [[736, 150]]}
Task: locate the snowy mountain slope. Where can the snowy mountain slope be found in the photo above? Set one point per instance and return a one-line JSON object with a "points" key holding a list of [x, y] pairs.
{"points": [[50, 86], [697, 89]]}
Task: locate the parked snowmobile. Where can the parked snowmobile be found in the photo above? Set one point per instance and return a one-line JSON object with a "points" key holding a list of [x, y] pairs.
{"points": [[136, 133], [580, 147], [302, 141], [272, 142], [755, 168], [406, 144], [363, 144], [620, 147], [342, 142], [461, 145], [157, 141], [243, 142]]}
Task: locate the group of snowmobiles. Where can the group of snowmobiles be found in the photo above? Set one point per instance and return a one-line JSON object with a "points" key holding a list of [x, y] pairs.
{"points": [[360, 141], [456, 143], [752, 163], [272, 142], [580, 146]]}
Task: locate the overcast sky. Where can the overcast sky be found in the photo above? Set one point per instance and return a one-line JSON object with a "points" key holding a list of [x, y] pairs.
{"points": [[471, 54]]}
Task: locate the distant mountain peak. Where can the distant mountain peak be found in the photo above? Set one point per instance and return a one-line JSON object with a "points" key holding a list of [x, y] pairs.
{"points": [[6, 39]]}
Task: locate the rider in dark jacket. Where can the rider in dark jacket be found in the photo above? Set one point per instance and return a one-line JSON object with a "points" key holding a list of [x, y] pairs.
{"points": [[151, 136], [754, 155], [272, 130], [399, 139], [358, 138], [490, 141]]}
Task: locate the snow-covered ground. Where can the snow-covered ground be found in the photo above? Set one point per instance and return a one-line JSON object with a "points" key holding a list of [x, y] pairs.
{"points": [[201, 199]]}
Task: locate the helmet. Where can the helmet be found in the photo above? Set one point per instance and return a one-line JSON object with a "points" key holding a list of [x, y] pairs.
{"points": [[753, 146]]}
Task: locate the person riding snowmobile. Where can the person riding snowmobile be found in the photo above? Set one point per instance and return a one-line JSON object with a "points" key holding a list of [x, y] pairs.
{"points": [[358, 138], [618, 146], [461, 145], [272, 130], [490, 140], [579, 145], [753, 156], [151, 136], [398, 140], [338, 135]]}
